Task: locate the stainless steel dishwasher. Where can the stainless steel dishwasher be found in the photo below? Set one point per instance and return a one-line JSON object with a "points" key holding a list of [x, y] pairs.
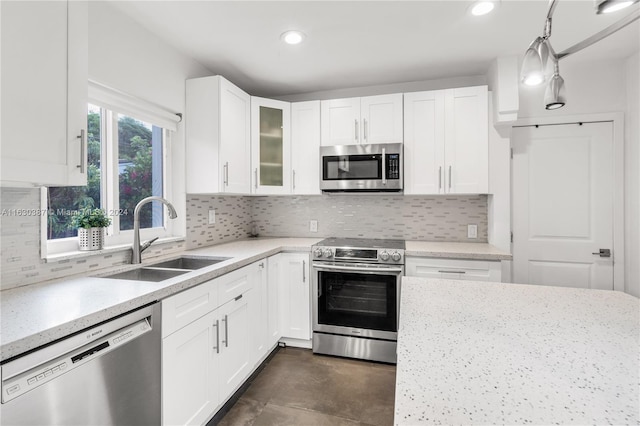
{"points": [[105, 375]]}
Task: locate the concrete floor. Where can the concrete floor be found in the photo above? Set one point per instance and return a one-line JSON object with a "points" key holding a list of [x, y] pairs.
{"points": [[298, 388]]}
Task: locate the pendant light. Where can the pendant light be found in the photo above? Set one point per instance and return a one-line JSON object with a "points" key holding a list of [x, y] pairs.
{"points": [[540, 61]]}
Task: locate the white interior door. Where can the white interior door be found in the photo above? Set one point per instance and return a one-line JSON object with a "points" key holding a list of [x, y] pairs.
{"points": [[563, 205]]}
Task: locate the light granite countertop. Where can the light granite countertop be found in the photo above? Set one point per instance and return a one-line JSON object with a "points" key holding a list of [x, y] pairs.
{"points": [[34, 315], [473, 251], [497, 353]]}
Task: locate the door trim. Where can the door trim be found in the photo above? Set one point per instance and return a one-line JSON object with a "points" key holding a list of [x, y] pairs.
{"points": [[617, 118]]}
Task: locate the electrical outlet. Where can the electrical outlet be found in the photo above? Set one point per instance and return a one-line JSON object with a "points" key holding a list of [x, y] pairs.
{"points": [[212, 217], [313, 225], [472, 231]]}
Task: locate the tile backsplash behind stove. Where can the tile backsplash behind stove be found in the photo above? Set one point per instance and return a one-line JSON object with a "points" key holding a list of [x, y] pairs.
{"points": [[429, 218]]}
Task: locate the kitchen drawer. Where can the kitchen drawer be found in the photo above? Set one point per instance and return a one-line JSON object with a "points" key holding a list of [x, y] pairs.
{"points": [[235, 283], [189, 305], [456, 269]]}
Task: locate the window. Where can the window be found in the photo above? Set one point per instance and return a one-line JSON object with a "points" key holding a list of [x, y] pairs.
{"points": [[126, 163]]}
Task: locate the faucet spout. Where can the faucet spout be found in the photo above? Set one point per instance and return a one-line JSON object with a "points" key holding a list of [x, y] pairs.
{"points": [[137, 249]]}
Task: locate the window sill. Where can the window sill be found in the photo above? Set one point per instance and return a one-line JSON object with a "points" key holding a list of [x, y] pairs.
{"points": [[79, 254]]}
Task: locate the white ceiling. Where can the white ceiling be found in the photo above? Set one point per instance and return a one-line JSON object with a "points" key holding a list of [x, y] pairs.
{"points": [[364, 43]]}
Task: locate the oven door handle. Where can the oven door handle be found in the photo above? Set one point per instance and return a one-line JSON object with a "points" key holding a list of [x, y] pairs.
{"points": [[357, 269]]}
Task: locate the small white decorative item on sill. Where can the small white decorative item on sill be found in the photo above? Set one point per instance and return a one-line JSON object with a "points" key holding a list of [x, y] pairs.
{"points": [[91, 239], [91, 224]]}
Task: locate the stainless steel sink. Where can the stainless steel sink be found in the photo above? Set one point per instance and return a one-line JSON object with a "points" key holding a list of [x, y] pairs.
{"points": [[148, 274], [190, 263]]}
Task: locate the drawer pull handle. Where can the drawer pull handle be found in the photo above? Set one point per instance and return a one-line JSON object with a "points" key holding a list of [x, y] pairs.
{"points": [[238, 298], [452, 272]]}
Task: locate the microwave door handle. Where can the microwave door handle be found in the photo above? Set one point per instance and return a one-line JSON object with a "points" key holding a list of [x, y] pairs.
{"points": [[384, 166]]}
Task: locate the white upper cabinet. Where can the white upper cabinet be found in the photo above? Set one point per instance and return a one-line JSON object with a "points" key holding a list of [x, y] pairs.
{"points": [[218, 137], [372, 119], [44, 92], [270, 146], [305, 148], [446, 146]]}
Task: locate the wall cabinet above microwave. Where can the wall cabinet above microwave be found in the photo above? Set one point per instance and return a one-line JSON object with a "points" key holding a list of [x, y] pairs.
{"points": [[446, 144], [367, 120]]}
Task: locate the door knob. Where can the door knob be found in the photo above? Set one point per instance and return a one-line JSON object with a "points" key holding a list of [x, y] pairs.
{"points": [[603, 253]]}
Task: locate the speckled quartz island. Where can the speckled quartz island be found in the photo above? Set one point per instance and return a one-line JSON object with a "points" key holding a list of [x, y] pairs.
{"points": [[34, 315], [497, 353]]}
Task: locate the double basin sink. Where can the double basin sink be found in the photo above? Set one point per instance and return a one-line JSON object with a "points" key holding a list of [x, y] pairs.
{"points": [[168, 269]]}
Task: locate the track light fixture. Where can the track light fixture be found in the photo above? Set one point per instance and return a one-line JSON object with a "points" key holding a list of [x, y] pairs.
{"points": [[541, 62]]}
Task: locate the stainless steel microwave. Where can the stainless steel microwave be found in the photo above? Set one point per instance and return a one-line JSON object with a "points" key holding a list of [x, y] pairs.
{"points": [[365, 168]]}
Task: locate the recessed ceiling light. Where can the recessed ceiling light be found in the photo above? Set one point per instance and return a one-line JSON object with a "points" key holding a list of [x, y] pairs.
{"points": [[292, 37], [482, 8]]}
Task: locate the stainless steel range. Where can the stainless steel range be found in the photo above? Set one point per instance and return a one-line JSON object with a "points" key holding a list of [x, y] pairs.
{"points": [[356, 295]]}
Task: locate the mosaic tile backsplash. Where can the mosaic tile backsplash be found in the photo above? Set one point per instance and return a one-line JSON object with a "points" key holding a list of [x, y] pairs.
{"points": [[429, 218]]}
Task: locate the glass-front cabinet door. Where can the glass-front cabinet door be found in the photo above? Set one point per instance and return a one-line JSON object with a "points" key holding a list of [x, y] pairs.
{"points": [[270, 146]]}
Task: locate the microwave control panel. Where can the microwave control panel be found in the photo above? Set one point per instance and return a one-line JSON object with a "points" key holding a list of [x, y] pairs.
{"points": [[393, 166]]}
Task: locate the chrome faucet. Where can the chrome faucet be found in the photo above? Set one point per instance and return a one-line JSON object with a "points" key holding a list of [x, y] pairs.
{"points": [[136, 256]]}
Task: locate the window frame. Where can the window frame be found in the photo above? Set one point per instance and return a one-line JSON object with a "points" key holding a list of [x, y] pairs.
{"points": [[109, 190]]}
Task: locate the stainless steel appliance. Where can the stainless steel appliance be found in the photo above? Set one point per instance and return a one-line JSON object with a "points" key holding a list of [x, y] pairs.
{"points": [[105, 375], [356, 297], [374, 168]]}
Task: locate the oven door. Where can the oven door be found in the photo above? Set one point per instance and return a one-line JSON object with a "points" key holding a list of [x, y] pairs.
{"points": [[356, 299]]}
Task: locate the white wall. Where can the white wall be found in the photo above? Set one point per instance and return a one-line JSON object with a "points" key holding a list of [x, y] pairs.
{"points": [[632, 176], [125, 56], [592, 87]]}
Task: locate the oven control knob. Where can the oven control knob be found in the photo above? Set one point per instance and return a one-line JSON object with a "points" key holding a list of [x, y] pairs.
{"points": [[384, 255], [328, 253], [396, 256], [317, 252]]}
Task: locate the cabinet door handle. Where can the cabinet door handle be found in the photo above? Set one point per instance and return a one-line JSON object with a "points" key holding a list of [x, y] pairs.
{"points": [[225, 320], [452, 272], [226, 174], [217, 346], [440, 178], [82, 138], [449, 177], [364, 123], [255, 175], [304, 274], [261, 265], [293, 179], [356, 127]]}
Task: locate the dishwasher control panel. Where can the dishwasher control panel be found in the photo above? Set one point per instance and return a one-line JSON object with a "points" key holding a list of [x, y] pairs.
{"points": [[22, 382]]}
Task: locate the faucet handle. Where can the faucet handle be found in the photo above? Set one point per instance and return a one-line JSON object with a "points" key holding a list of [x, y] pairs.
{"points": [[146, 244]]}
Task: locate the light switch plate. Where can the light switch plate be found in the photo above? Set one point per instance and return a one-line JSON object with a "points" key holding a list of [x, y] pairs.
{"points": [[313, 225], [472, 231], [212, 217]]}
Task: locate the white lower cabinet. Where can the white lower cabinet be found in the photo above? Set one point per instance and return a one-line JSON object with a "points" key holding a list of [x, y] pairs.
{"points": [[190, 373], [206, 360], [291, 272], [455, 269]]}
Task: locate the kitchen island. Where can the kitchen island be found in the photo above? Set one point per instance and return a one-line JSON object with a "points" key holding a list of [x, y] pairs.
{"points": [[497, 353]]}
